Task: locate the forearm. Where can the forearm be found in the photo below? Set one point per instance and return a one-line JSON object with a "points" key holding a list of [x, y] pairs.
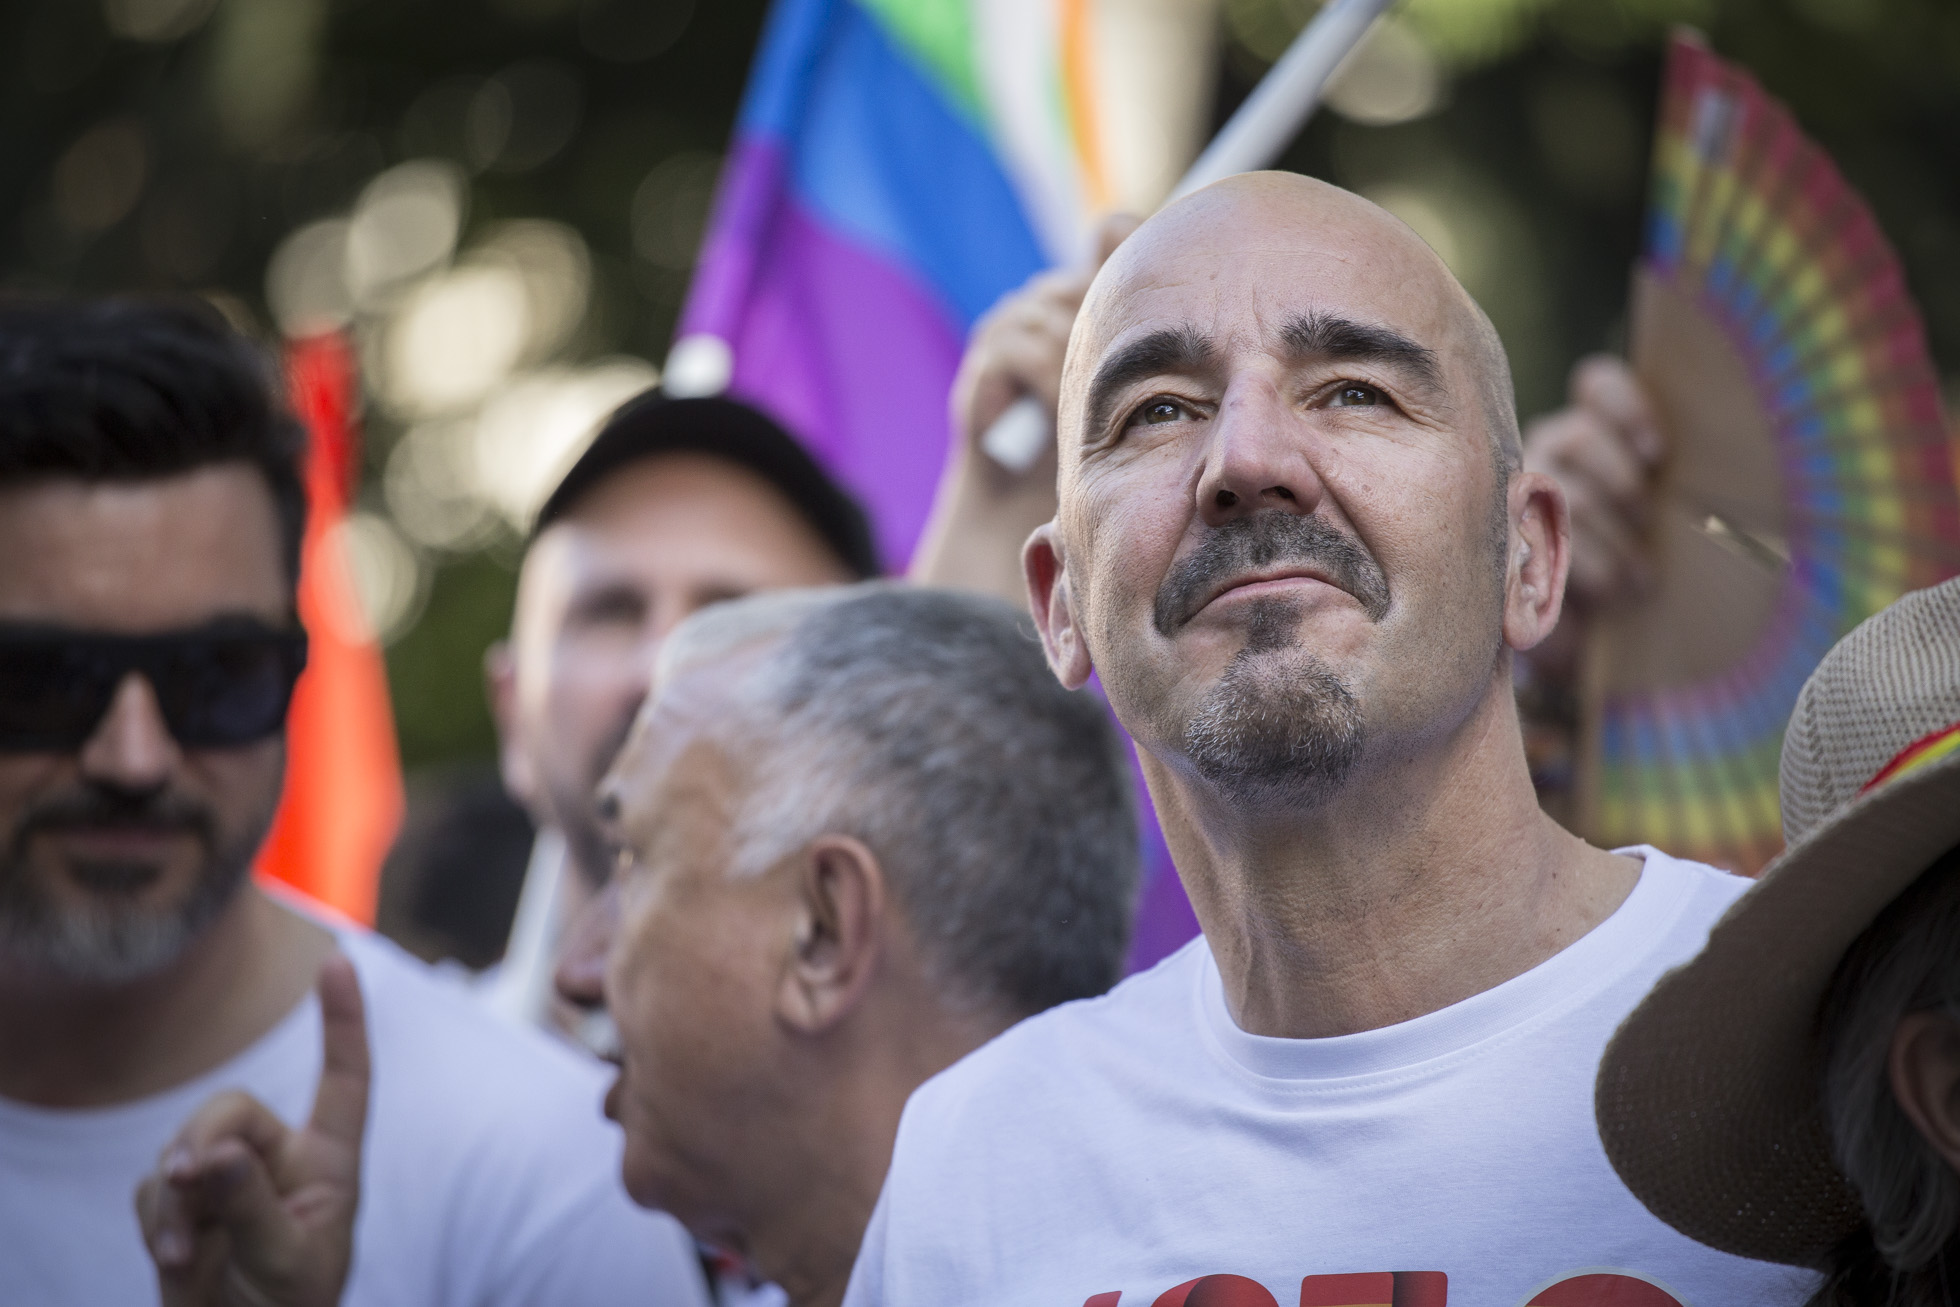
{"points": [[981, 517]]}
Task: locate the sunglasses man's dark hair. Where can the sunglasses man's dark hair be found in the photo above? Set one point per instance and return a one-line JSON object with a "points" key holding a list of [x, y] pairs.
{"points": [[221, 685], [127, 390]]}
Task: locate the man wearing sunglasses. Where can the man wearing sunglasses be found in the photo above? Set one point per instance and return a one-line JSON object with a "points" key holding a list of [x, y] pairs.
{"points": [[150, 519]]}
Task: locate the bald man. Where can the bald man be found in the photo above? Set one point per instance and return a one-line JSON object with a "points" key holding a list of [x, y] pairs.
{"points": [[1295, 541]]}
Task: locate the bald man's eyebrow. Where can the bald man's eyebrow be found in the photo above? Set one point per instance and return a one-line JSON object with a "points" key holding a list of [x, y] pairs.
{"points": [[1322, 336], [1172, 350]]}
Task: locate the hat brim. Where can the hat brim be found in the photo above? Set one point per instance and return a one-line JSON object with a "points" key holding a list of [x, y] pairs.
{"points": [[653, 424], [1708, 1095]]}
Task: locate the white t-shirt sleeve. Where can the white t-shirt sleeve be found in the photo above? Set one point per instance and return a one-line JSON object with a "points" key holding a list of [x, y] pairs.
{"points": [[486, 1147], [600, 1250], [867, 1286]]}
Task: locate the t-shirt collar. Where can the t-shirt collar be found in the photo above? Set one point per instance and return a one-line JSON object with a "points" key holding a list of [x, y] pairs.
{"points": [[1580, 970]]}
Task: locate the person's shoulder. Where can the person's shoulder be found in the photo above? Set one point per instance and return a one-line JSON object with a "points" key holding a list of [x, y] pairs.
{"points": [[1040, 1085], [1681, 901], [428, 1026], [487, 1138], [1060, 1046], [1696, 884]]}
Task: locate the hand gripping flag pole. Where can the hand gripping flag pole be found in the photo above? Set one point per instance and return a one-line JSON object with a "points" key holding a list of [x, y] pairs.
{"points": [[1254, 137]]}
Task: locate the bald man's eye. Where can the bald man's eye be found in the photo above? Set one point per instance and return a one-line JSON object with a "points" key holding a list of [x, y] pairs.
{"points": [[1157, 412], [1352, 394]]}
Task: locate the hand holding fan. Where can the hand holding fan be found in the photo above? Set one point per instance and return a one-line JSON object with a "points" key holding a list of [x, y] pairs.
{"points": [[1810, 478]]}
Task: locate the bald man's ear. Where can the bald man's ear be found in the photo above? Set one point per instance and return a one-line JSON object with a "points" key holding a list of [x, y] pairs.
{"points": [[1539, 554], [500, 687], [837, 933], [1052, 604]]}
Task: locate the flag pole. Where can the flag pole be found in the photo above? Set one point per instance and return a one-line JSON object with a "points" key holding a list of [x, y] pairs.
{"points": [[1263, 126], [1257, 133]]}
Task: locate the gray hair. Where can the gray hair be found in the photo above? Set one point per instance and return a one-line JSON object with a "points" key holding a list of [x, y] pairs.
{"points": [[926, 724], [1907, 961]]}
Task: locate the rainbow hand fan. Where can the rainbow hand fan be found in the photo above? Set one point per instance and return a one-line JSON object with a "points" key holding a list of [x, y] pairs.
{"points": [[1810, 479]]}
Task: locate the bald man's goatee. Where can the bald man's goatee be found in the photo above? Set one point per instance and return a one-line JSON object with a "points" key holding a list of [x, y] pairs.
{"points": [[1279, 726]]}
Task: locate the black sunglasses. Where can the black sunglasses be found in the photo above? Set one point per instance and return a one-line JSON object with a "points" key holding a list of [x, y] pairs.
{"points": [[227, 683]]}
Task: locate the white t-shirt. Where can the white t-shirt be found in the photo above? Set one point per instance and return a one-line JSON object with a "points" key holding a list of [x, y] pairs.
{"points": [[489, 1176], [1131, 1144]]}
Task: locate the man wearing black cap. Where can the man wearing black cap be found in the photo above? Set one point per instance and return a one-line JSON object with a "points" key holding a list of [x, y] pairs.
{"points": [[676, 504]]}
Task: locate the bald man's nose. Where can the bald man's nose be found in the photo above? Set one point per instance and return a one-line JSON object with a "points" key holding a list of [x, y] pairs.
{"points": [[581, 974], [132, 748], [1258, 457]]}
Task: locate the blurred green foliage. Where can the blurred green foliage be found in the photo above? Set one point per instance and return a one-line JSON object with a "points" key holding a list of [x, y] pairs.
{"points": [[435, 670], [171, 144]]}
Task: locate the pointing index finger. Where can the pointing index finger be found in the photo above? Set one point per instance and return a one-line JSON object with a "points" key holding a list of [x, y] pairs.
{"points": [[340, 1104]]}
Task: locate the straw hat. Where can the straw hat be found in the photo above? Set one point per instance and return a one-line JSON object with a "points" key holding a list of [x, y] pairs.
{"points": [[1708, 1095]]}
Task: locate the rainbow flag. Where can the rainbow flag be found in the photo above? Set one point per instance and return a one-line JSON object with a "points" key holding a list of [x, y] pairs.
{"points": [[898, 166]]}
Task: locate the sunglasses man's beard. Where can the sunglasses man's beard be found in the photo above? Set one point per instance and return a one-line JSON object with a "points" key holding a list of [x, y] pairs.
{"points": [[108, 934], [1279, 725]]}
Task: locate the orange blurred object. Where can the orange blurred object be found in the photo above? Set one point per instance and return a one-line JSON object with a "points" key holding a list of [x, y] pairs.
{"points": [[343, 798]]}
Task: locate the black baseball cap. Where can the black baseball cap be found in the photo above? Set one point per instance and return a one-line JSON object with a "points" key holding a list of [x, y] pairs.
{"points": [[654, 424]]}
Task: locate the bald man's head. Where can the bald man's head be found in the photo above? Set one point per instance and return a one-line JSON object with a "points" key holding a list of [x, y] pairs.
{"points": [[1267, 211], [1288, 488], [1499, 395]]}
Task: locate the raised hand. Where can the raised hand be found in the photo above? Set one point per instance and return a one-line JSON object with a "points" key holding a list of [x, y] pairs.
{"points": [[1017, 348], [1603, 449], [244, 1211], [983, 511]]}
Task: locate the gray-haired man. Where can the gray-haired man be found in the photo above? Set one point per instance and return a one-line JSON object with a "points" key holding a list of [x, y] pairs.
{"points": [[862, 831]]}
